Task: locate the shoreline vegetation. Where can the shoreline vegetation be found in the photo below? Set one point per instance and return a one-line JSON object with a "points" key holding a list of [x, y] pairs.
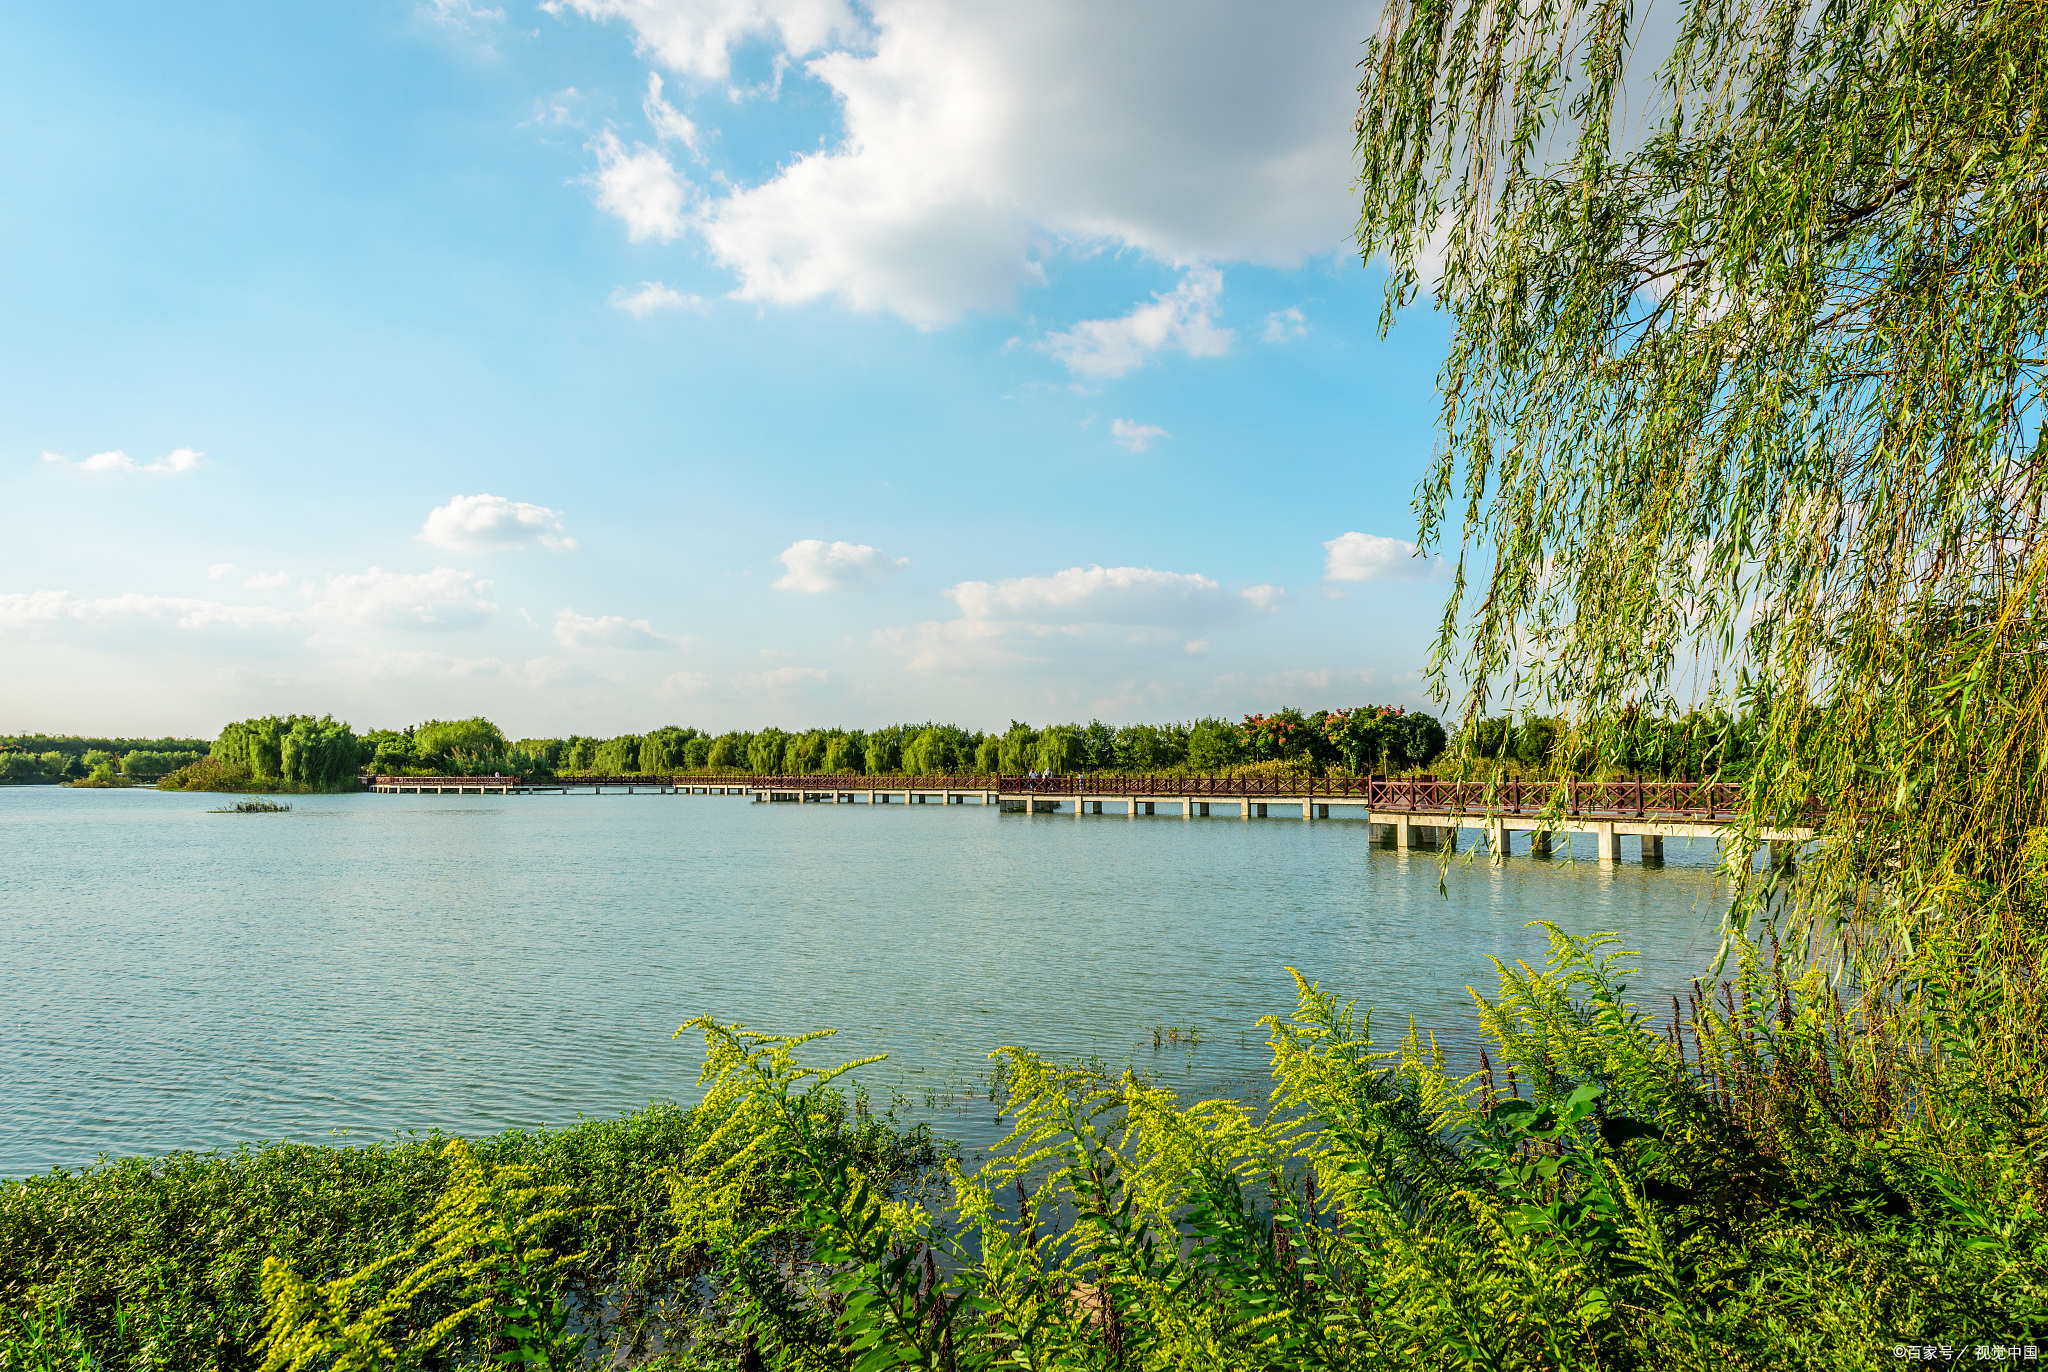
{"points": [[1735, 1186], [301, 754], [51, 759]]}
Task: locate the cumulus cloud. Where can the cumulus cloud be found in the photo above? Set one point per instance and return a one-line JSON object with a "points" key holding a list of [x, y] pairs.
{"points": [[1094, 612], [815, 566], [641, 188], [698, 36], [441, 599], [491, 523], [1183, 318], [461, 15], [173, 462], [268, 581], [1134, 436], [1285, 325], [609, 631], [1369, 557], [670, 124], [61, 614], [221, 569], [1107, 595], [973, 136], [653, 296]]}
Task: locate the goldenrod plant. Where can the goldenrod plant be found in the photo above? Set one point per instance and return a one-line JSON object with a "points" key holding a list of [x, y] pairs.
{"points": [[1730, 1189], [494, 1241]]}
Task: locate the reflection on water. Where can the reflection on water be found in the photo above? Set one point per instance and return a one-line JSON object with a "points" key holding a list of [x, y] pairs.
{"points": [[179, 979]]}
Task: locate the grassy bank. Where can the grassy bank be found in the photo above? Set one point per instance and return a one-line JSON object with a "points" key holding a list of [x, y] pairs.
{"points": [[159, 1262], [1765, 1179]]}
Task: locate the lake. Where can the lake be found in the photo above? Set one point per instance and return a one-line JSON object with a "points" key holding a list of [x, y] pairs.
{"points": [[178, 979]]}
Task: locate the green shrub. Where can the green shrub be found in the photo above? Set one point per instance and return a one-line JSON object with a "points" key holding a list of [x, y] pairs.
{"points": [[160, 1262]]}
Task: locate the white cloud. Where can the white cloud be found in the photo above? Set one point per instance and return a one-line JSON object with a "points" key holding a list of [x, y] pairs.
{"points": [[1284, 325], [441, 599], [60, 613], [698, 36], [669, 123], [653, 296], [1369, 557], [268, 581], [974, 135], [641, 188], [815, 566], [1134, 436], [567, 108], [1091, 613], [177, 460], [1106, 595], [221, 569], [459, 14], [609, 631], [1182, 318], [490, 523]]}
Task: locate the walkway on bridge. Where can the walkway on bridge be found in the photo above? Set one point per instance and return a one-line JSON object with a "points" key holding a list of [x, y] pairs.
{"points": [[1411, 812]]}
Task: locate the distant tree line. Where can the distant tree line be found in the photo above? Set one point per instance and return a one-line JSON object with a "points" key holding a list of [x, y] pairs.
{"points": [[1369, 738], [70, 757], [302, 752], [1691, 746]]}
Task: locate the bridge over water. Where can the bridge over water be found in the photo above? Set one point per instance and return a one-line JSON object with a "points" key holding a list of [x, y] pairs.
{"points": [[1411, 812]]}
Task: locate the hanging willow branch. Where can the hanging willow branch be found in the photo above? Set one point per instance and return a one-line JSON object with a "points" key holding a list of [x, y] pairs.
{"points": [[1744, 400]]}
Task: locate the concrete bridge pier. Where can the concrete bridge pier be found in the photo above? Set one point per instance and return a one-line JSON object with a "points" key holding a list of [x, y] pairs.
{"points": [[1653, 847], [1539, 843]]}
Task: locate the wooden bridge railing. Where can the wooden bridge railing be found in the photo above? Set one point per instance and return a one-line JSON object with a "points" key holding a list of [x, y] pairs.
{"points": [[443, 781], [1640, 799], [1424, 794], [957, 782]]}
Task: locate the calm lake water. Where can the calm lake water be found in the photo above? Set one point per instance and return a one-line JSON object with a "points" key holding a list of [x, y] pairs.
{"points": [[176, 979]]}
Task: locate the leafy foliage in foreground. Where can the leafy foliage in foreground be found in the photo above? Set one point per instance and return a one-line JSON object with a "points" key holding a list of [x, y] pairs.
{"points": [[160, 1263], [1782, 1207]]}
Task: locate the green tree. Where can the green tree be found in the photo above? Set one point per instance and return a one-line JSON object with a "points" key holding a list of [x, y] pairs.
{"points": [[665, 750], [988, 754], [1059, 749], [1101, 749], [764, 752], [1214, 744], [1018, 750], [434, 740], [728, 752], [884, 751], [617, 756], [1146, 748], [845, 754], [931, 751], [1767, 335]]}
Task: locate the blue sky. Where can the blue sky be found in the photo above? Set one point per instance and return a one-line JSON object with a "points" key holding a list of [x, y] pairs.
{"points": [[611, 363]]}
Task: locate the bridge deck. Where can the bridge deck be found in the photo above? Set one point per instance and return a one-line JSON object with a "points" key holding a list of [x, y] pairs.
{"points": [[1417, 811]]}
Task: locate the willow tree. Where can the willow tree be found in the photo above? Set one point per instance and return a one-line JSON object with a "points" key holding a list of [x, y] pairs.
{"points": [[1744, 398]]}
